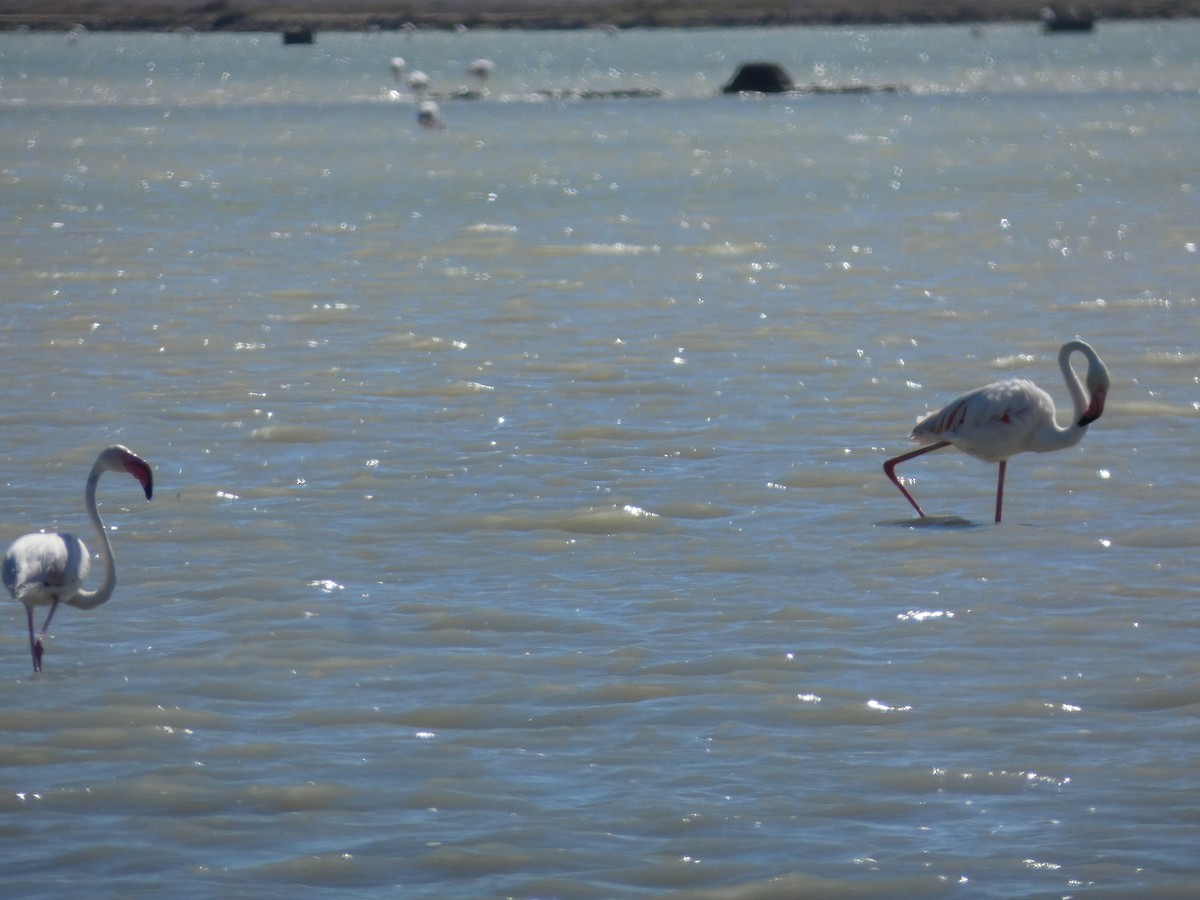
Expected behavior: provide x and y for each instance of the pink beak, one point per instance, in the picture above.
(1095, 407)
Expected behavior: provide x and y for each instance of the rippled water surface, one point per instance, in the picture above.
(519, 526)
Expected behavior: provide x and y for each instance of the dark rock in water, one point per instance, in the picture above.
(298, 36)
(1065, 20)
(770, 78)
(759, 78)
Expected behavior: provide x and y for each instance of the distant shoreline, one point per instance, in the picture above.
(364, 15)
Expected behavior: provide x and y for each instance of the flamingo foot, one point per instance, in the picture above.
(38, 650)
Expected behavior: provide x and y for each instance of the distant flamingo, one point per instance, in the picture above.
(1012, 416)
(481, 69)
(429, 115)
(397, 65)
(419, 82)
(48, 569)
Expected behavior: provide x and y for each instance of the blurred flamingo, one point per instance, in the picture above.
(419, 82)
(429, 115)
(481, 70)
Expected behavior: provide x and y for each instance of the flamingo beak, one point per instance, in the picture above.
(143, 473)
(1095, 407)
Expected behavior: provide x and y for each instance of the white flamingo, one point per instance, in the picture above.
(481, 69)
(419, 82)
(1012, 416)
(48, 569)
(429, 115)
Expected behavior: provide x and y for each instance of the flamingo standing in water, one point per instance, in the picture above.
(1011, 416)
(48, 569)
(419, 82)
(429, 115)
(481, 69)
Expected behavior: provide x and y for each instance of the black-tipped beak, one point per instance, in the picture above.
(1095, 408)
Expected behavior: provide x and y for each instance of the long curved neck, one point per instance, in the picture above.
(92, 599)
(1055, 436)
(1078, 398)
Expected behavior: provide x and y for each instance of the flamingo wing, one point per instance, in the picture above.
(992, 422)
(40, 569)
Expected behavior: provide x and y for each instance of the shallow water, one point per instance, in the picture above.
(519, 527)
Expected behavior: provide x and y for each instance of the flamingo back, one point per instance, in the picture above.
(992, 422)
(42, 568)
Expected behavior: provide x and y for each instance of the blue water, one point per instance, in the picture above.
(519, 526)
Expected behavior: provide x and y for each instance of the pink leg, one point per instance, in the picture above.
(36, 646)
(37, 660)
(1000, 489)
(889, 469)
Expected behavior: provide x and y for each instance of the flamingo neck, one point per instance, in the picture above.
(92, 599)
(1079, 399)
(1056, 437)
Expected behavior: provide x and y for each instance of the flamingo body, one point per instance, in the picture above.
(49, 569)
(44, 569)
(429, 115)
(995, 421)
(481, 69)
(1001, 419)
(418, 81)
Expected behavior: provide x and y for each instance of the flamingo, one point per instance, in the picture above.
(48, 569)
(481, 69)
(429, 115)
(419, 82)
(1012, 416)
(397, 65)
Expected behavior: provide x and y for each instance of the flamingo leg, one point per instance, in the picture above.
(1000, 488)
(37, 662)
(889, 469)
(37, 647)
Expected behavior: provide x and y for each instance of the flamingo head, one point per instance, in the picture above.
(138, 468)
(121, 459)
(1098, 390)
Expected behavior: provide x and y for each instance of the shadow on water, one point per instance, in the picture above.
(931, 522)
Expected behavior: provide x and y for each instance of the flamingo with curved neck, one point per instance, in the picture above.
(1012, 416)
(47, 569)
